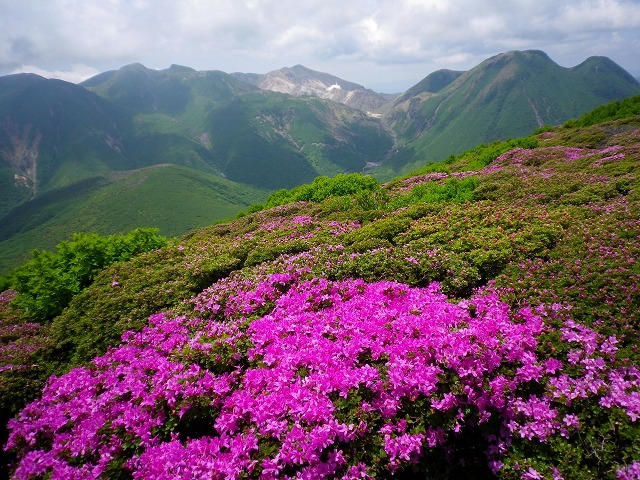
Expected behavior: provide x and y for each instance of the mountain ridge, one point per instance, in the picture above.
(300, 81)
(509, 93)
(54, 135)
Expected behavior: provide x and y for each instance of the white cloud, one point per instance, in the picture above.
(378, 40)
(76, 74)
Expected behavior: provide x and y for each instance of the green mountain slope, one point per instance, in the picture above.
(257, 137)
(314, 330)
(432, 83)
(505, 96)
(52, 134)
(172, 198)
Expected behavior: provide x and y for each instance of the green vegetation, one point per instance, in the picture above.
(171, 198)
(625, 108)
(547, 224)
(47, 283)
(321, 189)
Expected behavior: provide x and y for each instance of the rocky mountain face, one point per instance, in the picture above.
(302, 81)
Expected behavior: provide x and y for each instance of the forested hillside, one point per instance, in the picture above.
(478, 318)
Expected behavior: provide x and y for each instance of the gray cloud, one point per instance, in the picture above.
(386, 45)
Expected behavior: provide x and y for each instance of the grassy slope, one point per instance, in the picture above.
(172, 198)
(504, 97)
(548, 225)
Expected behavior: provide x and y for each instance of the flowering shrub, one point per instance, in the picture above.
(309, 341)
(19, 339)
(336, 379)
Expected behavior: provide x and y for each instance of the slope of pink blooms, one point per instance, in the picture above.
(293, 378)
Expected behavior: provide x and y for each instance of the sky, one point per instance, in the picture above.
(385, 45)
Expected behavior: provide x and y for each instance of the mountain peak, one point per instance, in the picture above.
(302, 81)
(134, 67)
(300, 68)
(180, 68)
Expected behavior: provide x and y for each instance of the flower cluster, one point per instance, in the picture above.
(333, 379)
(18, 340)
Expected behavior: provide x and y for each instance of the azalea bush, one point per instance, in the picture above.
(318, 379)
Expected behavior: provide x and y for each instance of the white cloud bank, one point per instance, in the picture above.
(382, 44)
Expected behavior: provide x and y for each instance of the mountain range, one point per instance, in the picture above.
(478, 319)
(178, 148)
(302, 81)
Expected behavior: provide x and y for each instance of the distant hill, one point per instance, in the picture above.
(172, 198)
(301, 81)
(505, 96)
(57, 138)
(432, 83)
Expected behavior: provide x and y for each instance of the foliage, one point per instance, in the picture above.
(482, 155)
(47, 283)
(311, 339)
(320, 189)
(611, 111)
(452, 190)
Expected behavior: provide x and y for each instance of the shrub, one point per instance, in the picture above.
(336, 380)
(47, 283)
(321, 189)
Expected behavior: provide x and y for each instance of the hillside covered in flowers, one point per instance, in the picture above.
(477, 319)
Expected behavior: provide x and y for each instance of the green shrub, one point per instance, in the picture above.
(611, 111)
(47, 283)
(453, 190)
(385, 229)
(321, 189)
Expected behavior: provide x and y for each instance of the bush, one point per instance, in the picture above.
(452, 190)
(321, 189)
(47, 283)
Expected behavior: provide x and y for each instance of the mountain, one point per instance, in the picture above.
(64, 146)
(503, 97)
(57, 138)
(432, 83)
(302, 81)
(52, 133)
(477, 319)
(263, 138)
